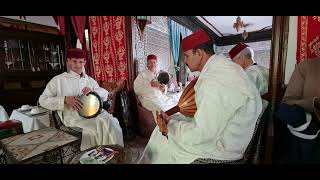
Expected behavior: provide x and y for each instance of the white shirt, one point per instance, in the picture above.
(101, 130)
(68, 84)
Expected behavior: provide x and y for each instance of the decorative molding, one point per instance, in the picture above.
(263, 35)
(193, 23)
(27, 26)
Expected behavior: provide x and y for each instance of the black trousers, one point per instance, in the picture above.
(291, 149)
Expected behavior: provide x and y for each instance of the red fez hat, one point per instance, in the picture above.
(75, 53)
(237, 49)
(195, 40)
(151, 56)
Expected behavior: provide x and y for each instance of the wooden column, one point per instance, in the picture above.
(130, 63)
(280, 31)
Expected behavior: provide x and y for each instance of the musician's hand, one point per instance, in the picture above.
(162, 87)
(86, 90)
(165, 117)
(73, 102)
(154, 83)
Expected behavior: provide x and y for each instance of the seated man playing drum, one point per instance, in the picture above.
(61, 94)
(150, 91)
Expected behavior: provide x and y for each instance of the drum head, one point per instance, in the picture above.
(163, 78)
(92, 105)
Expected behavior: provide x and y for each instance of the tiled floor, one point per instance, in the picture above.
(134, 148)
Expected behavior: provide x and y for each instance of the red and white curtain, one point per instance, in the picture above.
(308, 45)
(108, 47)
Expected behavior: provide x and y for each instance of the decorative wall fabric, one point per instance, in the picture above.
(61, 23)
(108, 47)
(175, 31)
(308, 45)
(79, 25)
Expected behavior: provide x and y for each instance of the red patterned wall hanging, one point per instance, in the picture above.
(308, 45)
(108, 47)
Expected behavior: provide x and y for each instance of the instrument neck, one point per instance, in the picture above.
(173, 110)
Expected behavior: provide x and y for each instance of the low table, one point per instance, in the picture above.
(32, 122)
(41, 146)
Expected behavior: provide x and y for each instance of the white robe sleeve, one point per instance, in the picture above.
(49, 99)
(142, 85)
(214, 111)
(103, 93)
(259, 78)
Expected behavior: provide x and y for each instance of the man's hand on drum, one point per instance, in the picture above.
(73, 102)
(86, 90)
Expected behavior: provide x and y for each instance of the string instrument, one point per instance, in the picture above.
(186, 106)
